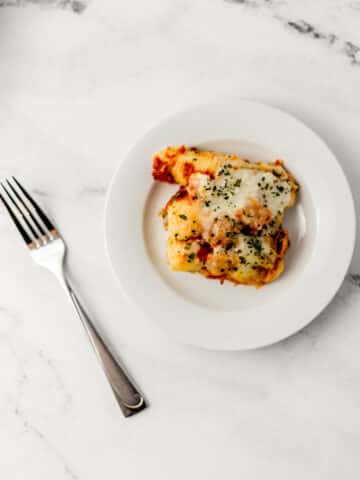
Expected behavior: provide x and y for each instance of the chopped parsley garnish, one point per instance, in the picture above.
(191, 257)
(255, 243)
(242, 260)
(246, 230)
(183, 217)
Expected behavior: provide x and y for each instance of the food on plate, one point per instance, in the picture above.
(225, 220)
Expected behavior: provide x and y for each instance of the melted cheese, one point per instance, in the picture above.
(255, 248)
(226, 220)
(234, 189)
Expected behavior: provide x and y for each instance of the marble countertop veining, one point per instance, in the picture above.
(80, 81)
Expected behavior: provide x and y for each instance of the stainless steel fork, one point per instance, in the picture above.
(48, 249)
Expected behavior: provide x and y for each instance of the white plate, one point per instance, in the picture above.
(199, 311)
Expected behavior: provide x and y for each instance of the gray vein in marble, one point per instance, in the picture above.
(307, 29)
(8, 321)
(76, 6)
(353, 52)
(20, 412)
(348, 48)
(39, 192)
(304, 28)
(24, 378)
(250, 3)
(354, 279)
(29, 427)
(93, 191)
(355, 5)
(58, 378)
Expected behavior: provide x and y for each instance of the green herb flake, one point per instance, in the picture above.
(183, 217)
(191, 257)
(255, 243)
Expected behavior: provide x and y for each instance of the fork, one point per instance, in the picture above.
(48, 249)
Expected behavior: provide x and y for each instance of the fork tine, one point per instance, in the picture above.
(38, 210)
(38, 226)
(18, 225)
(31, 228)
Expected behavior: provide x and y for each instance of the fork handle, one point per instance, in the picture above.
(126, 394)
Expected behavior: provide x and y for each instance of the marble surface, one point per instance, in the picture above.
(80, 81)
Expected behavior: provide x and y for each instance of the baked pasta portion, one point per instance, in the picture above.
(225, 220)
